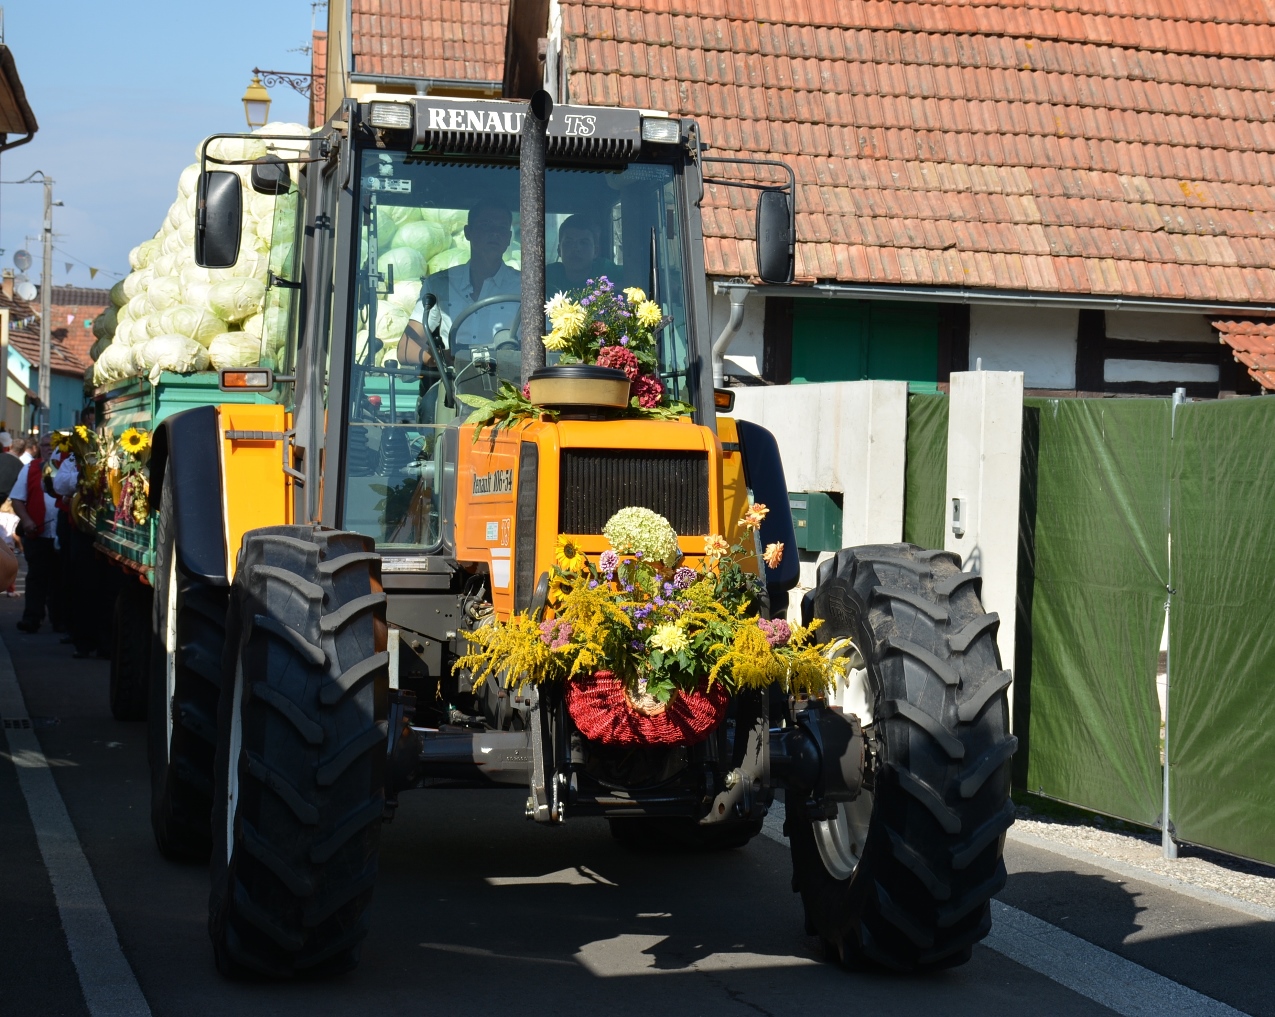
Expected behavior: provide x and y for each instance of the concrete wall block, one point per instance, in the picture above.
(848, 437)
(984, 464)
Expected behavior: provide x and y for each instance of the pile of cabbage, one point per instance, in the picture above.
(169, 314)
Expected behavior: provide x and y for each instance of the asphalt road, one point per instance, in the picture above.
(477, 910)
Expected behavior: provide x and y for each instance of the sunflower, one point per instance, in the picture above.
(568, 555)
(60, 441)
(135, 442)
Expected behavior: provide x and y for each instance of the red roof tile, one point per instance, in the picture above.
(1113, 146)
(458, 40)
(1253, 344)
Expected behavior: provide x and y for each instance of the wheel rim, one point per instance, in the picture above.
(235, 744)
(841, 840)
(170, 653)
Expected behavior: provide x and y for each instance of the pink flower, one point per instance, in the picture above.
(526, 391)
(619, 358)
(777, 632)
(648, 391)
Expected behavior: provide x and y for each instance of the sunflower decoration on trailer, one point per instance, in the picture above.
(127, 459)
(648, 645)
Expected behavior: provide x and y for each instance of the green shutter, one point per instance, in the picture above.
(852, 340)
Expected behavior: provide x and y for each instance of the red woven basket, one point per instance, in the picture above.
(603, 713)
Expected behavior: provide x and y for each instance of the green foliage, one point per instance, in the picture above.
(508, 408)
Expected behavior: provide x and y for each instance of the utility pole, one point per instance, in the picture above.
(46, 308)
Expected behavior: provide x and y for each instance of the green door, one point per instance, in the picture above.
(852, 340)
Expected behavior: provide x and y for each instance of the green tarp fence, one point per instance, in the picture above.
(1104, 483)
(925, 473)
(1222, 635)
(1092, 580)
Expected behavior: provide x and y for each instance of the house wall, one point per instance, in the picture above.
(66, 399)
(744, 355)
(1038, 341)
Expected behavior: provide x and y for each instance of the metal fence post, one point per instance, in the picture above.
(1168, 846)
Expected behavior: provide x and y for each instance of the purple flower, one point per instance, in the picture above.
(636, 644)
(608, 561)
(668, 589)
(684, 578)
(657, 601)
(586, 301)
(593, 584)
(624, 340)
(777, 632)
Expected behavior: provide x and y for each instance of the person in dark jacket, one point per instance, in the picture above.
(10, 463)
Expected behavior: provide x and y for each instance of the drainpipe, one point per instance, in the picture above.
(737, 295)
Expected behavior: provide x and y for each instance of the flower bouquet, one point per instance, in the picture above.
(598, 326)
(650, 649)
(113, 472)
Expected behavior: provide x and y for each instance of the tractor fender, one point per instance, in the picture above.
(764, 473)
(186, 445)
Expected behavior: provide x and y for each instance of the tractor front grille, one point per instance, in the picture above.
(595, 484)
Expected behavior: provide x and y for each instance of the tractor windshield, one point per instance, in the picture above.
(438, 306)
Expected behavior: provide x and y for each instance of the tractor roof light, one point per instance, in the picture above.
(392, 115)
(661, 130)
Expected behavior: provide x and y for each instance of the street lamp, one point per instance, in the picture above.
(256, 104)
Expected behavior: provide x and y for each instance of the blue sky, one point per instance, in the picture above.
(123, 92)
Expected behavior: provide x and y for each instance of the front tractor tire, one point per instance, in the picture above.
(902, 876)
(300, 771)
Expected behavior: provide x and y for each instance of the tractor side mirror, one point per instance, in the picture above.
(219, 219)
(774, 236)
(270, 175)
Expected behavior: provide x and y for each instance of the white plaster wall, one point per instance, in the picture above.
(744, 354)
(1155, 327)
(1038, 341)
(984, 462)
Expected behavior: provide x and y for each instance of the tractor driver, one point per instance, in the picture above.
(489, 230)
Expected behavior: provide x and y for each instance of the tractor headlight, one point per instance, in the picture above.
(661, 130)
(394, 115)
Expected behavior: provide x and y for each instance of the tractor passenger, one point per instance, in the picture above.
(578, 260)
(489, 230)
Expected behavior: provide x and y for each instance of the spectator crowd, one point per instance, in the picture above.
(62, 584)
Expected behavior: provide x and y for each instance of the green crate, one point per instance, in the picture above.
(816, 519)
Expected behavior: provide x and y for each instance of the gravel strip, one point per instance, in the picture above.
(1239, 878)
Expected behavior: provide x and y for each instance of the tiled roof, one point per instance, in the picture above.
(1254, 346)
(461, 40)
(27, 339)
(1122, 147)
(72, 307)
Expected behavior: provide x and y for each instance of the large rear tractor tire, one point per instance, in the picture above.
(188, 632)
(301, 755)
(130, 652)
(902, 876)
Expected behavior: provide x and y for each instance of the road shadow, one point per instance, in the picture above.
(1218, 952)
